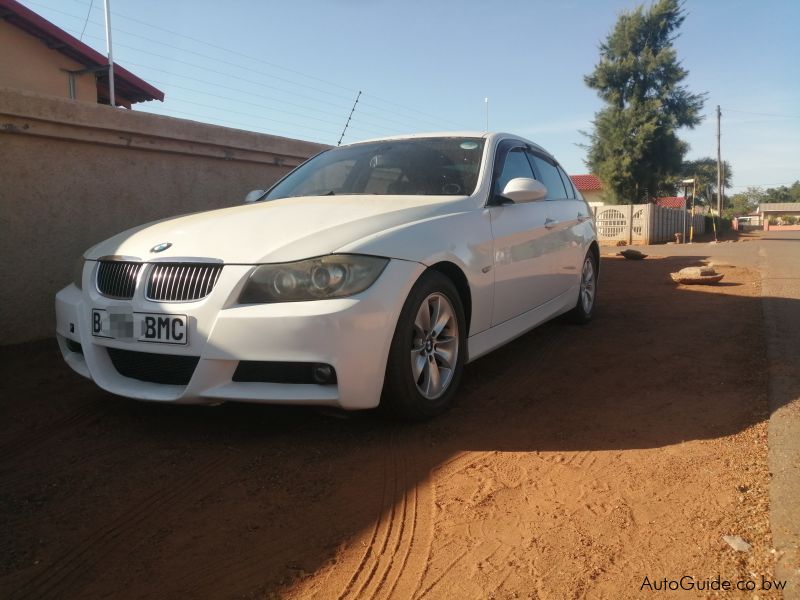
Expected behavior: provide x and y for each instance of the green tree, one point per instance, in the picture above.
(745, 202)
(634, 148)
(705, 170)
(783, 193)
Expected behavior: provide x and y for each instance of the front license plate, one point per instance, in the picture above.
(141, 327)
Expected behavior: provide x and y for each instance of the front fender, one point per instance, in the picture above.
(464, 239)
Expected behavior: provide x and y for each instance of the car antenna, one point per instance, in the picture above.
(352, 110)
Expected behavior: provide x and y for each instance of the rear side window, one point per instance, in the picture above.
(567, 183)
(548, 175)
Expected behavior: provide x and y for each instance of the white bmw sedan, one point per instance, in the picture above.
(369, 275)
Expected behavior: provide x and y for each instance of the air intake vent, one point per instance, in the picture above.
(167, 369)
(181, 282)
(117, 279)
(284, 372)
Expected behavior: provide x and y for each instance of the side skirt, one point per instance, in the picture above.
(502, 333)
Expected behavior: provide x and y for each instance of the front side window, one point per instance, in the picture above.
(515, 165)
(549, 177)
(424, 166)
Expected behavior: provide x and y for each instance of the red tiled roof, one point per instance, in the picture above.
(128, 87)
(587, 183)
(670, 201)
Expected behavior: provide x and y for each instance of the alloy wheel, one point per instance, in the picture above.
(434, 346)
(587, 285)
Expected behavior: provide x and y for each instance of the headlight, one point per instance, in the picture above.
(334, 276)
(77, 273)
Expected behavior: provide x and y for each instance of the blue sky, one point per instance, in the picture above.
(294, 68)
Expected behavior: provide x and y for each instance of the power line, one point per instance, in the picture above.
(413, 110)
(163, 111)
(233, 89)
(762, 184)
(274, 65)
(760, 114)
(246, 69)
(258, 84)
(252, 84)
(259, 105)
(231, 76)
(260, 117)
(362, 114)
(237, 90)
(86, 22)
(199, 54)
(230, 64)
(217, 47)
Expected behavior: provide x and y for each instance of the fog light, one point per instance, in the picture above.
(322, 373)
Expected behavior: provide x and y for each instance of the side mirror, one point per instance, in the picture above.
(254, 196)
(524, 189)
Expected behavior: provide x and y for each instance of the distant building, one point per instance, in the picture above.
(590, 187)
(37, 56)
(780, 211)
(670, 201)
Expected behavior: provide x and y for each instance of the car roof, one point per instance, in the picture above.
(432, 134)
(489, 135)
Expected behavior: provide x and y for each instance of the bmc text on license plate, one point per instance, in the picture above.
(142, 327)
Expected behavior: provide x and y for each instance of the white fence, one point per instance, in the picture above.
(644, 223)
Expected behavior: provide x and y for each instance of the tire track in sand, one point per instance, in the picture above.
(395, 561)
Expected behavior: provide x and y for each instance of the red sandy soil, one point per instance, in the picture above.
(577, 462)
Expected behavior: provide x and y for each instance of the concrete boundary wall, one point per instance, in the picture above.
(644, 223)
(74, 173)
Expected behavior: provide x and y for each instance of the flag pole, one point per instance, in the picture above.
(111, 98)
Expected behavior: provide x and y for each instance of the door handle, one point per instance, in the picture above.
(550, 223)
(582, 217)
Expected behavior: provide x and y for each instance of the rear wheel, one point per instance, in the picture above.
(428, 350)
(584, 309)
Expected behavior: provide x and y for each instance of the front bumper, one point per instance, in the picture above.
(351, 334)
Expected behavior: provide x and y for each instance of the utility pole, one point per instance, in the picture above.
(107, 4)
(719, 166)
(486, 102)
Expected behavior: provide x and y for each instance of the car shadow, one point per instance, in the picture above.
(135, 499)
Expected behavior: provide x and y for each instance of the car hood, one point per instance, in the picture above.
(278, 230)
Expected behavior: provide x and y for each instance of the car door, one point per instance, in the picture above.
(578, 211)
(563, 215)
(522, 262)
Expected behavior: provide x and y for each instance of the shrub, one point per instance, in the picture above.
(723, 224)
(789, 220)
(773, 220)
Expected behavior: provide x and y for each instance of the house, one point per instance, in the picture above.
(590, 187)
(37, 56)
(780, 214)
(670, 201)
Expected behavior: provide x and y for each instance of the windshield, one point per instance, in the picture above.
(424, 166)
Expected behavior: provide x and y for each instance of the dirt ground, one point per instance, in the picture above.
(578, 462)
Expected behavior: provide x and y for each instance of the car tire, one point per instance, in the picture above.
(426, 358)
(587, 295)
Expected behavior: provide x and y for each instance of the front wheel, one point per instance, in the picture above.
(584, 309)
(428, 350)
